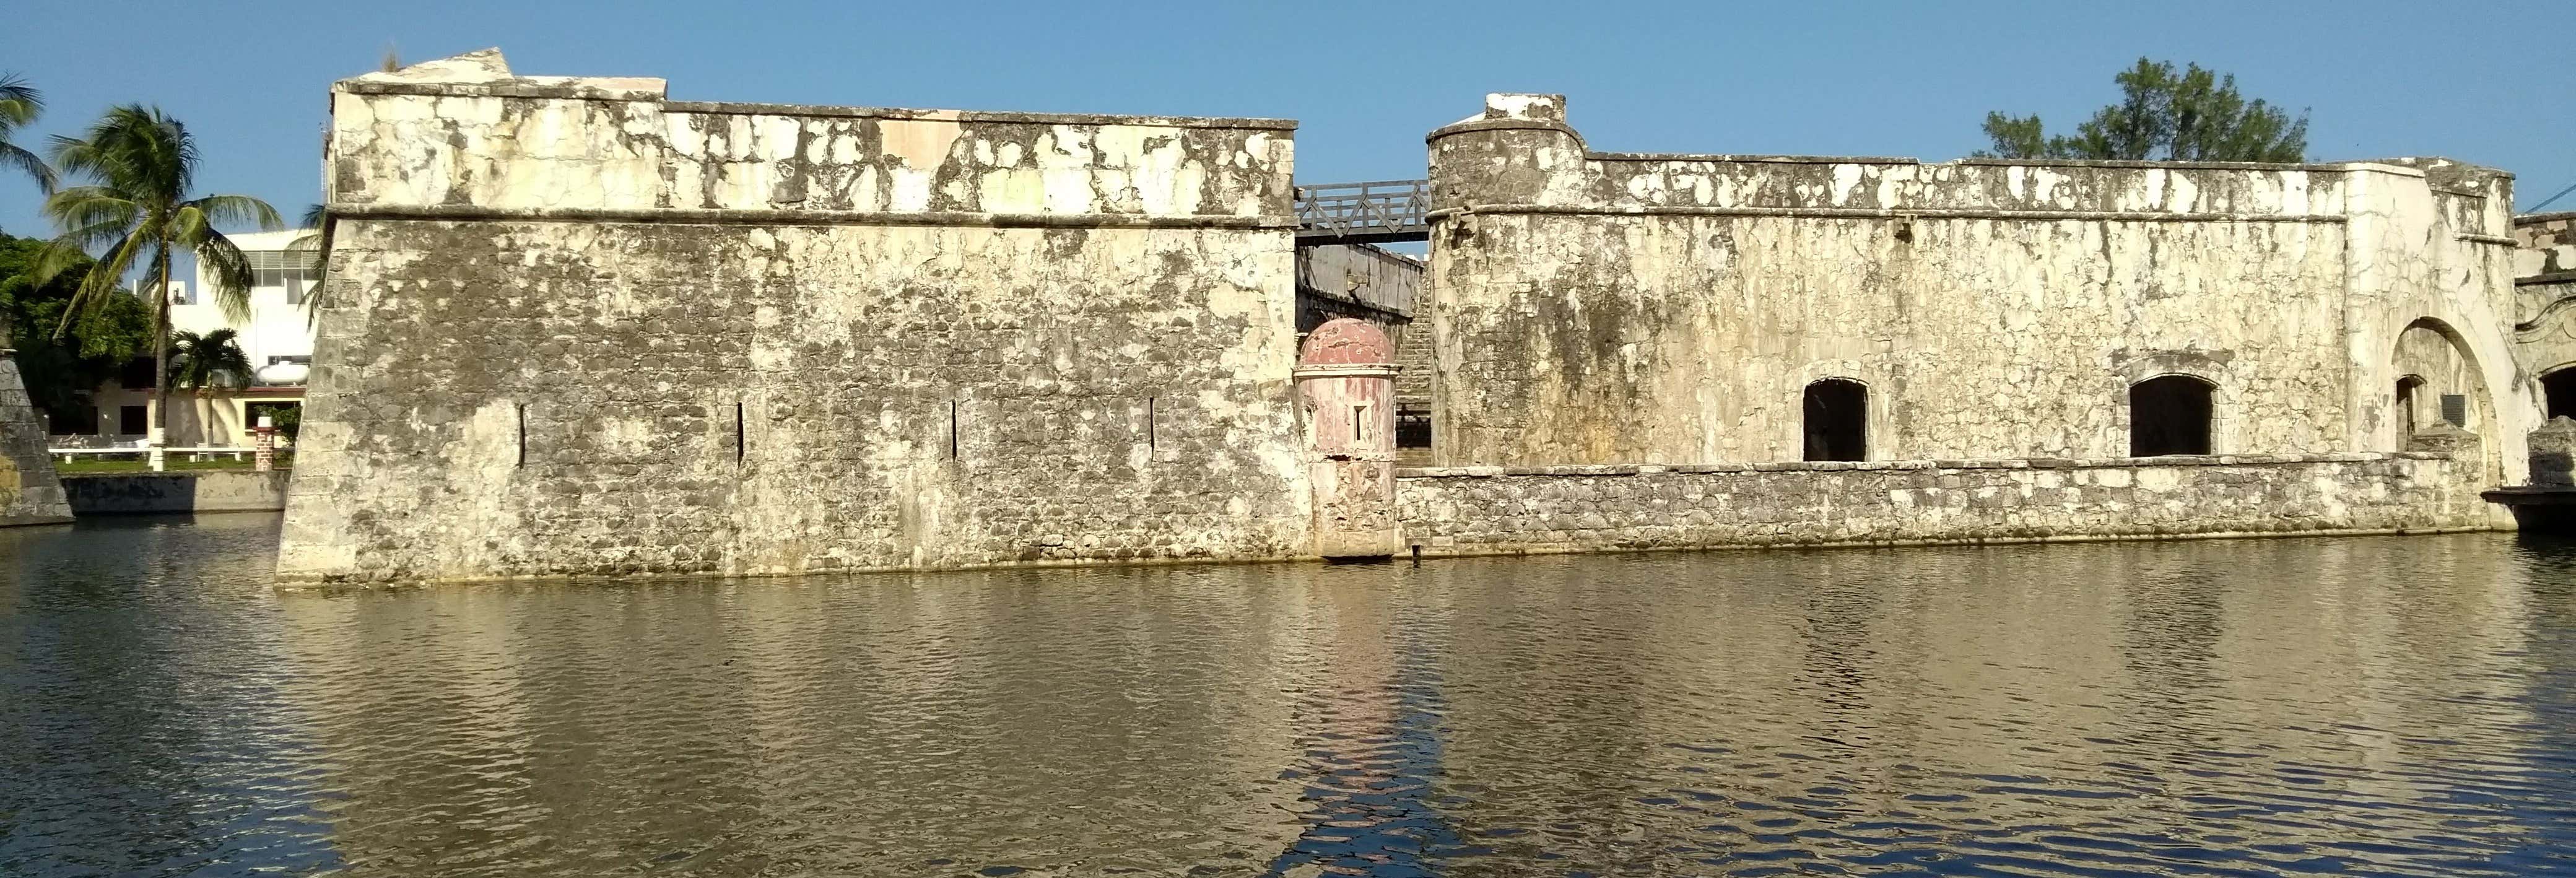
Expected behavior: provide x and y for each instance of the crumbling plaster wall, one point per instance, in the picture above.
(574, 328)
(1651, 308)
(2545, 291)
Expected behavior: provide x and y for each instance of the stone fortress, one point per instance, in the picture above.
(577, 328)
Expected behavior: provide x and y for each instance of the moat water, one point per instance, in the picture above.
(2366, 706)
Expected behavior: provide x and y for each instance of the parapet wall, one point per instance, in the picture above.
(576, 328)
(463, 137)
(1511, 510)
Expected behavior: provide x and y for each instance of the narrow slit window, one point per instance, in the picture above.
(952, 429)
(522, 439)
(1359, 423)
(737, 432)
(1149, 423)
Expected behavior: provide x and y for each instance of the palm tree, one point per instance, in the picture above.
(143, 166)
(19, 105)
(214, 359)
(315, 240)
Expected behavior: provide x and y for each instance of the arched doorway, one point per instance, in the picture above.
(2169, 414)
(1837, 420)
(2447, 387)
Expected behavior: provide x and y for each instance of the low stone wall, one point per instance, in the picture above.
(1511, 510)
(143, 493)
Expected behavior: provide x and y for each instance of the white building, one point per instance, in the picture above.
(277, 338)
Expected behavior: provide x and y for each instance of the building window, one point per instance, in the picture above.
(293, 271)
(2169, 414)
(132, 420)
(1837, 420)
(2560, 388)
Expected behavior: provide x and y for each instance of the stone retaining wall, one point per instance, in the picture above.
(1511, 510)
(149, 493)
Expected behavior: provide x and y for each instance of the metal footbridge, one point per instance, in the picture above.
(1363, 213)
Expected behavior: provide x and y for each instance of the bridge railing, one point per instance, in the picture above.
(1364, 213)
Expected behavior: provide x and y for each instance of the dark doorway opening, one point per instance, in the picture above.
(1837, 422)
(132, 420)
(2169, 415)
(2408, 388)
(2560, 388)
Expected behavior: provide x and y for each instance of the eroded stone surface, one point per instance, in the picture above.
(30, 492)
(574, 330)
(1491, 510)
(1614, 307)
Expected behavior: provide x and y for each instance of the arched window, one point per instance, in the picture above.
(2408, 390)
(2560, 387)
(1837, 420)
(2169, 414)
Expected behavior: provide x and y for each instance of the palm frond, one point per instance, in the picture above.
(95, 286)
(210, 360)
(238, 209)
(20, 104)
(15, 156)
(15, 90)
(226, 270)
(86, 206)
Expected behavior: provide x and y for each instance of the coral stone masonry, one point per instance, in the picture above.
(30, 492)
(575, 327)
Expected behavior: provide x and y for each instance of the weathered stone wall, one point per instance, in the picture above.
(1506, 510)
(575, 328)
(29, 491)
(1651, 308)
(2545, 291)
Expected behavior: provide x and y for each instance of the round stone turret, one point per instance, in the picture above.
(1346, 377)
(1519, 151)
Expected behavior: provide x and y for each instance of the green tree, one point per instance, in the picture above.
(141, 209)
(60, 372)
(20, 104)
(215, 359)
(287, 417)
(2196, 115)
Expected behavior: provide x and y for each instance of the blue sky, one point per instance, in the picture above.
(1367, 80)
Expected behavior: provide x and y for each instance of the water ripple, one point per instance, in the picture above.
(2377, 706)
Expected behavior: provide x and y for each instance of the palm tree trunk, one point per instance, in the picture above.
(161, 354)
